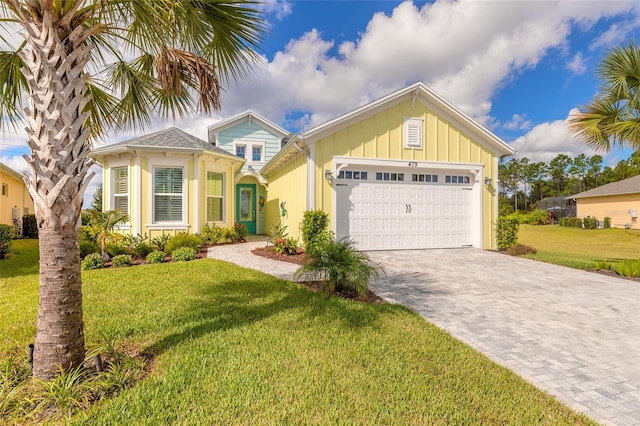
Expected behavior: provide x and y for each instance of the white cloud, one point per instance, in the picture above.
(279, 8)
(577, 65)
(545, 141)
(617, 33)
(517, 122)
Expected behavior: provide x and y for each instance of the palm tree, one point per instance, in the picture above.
(87, 67)
(103, 224)
(613, 115)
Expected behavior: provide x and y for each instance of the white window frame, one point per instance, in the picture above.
(223, 196)
(248, 150)
(168, 163)
(411, 126)
(114, 195)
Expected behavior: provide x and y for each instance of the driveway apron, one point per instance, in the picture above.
(574, 334)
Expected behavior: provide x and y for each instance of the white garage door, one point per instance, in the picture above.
(393, 209)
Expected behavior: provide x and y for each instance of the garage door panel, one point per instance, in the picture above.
(400, 215)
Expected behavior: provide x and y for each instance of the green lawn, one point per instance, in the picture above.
(580, 248)
(234, 346)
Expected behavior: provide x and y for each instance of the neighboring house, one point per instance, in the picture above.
(15, 200)
(409, 170)
(257, 140)
(169, 181)
(406, 171)
(618, 200)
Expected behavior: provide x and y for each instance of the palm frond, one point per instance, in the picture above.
(13, 85)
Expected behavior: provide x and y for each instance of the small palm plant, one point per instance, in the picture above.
(103, 224)
(340, 266)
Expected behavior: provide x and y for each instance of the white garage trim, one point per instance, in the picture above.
(472, 182)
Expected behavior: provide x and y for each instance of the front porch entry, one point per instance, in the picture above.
(246, 206)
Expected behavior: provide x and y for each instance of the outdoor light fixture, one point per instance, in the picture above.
(328, 175)
(487, 181)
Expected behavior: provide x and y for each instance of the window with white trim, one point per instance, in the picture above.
(413, 133)
(168, 193)
(252, 151)
(215, 196)
(121, 189)
(240, 150)
(256, 153)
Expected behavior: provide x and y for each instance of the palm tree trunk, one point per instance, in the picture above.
(58, 139)
(60, 336)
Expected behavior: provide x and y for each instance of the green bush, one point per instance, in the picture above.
(323, 238)
(184, 254)
(340, 266)
(507, 232)
(518, 216)
(602, 265)
(627, 268)
(241, 231)
(590, 222)
(114, 249)
(88, 247)
(607, 222)
(136, 245)
(230, 234)
(121, 261)
(6, 238)
(183, 240)
(211, 234)
(537, 217)
(277, 231)
(160, 242)
(29, 226)
(93, 261)
(313, 222)
(571, 222)
(287, 246)
(156, 257)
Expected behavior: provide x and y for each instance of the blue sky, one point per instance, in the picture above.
(517, 67)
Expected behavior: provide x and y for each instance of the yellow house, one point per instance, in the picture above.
(15, 200)
(618, 200)
(168, 181)
(406, 171)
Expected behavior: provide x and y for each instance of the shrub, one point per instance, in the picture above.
(6, 238)
(230, 234)
(520, 250)
(183, 240)
(211, 234)
(116, 249)
(287, 246)
(518, 216)
(627, 268)
(277, 231)
(121, 261)
(607, 222)
(340, 267)
(323, 238)
(590, 222)
(93, 261)
(537, 217)
(136, 245)
(507, 232)
(184, 254)
(88, 247)
(160, 242)
(313, 222)
(571, 222)
(156, 256)
(241, 231)
(29, 226)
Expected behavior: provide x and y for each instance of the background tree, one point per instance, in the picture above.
(78, 85)
(96, 202)
(613, 115)
(557, 171)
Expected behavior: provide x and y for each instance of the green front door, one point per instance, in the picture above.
(246, 206)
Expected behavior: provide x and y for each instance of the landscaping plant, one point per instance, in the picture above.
(6, 237)
(93, 261)
(121, 261)
(210, 234)
(313, 222)
(183, 239)
(241, 231)
(160, 242)
(506, 232)
(156, 256)
(184, 254)
(340, 266)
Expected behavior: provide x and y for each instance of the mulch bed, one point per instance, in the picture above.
(316, 286)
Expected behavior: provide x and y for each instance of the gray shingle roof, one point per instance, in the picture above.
(171, 138)
(626, 186)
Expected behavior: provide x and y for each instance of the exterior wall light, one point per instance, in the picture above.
(328, 175)
(487, 181)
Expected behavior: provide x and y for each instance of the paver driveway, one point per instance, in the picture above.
(572, 333)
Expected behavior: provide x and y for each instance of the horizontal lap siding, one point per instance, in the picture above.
(615, 206)
(380, 136)
(249, 133)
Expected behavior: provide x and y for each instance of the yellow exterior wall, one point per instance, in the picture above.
(614, 206)
(210, 164)
(289, 185)
(17, 195)
(380, 136)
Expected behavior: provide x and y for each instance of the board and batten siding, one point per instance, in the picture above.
(249, 132)
(380, 136)
(288, 184)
